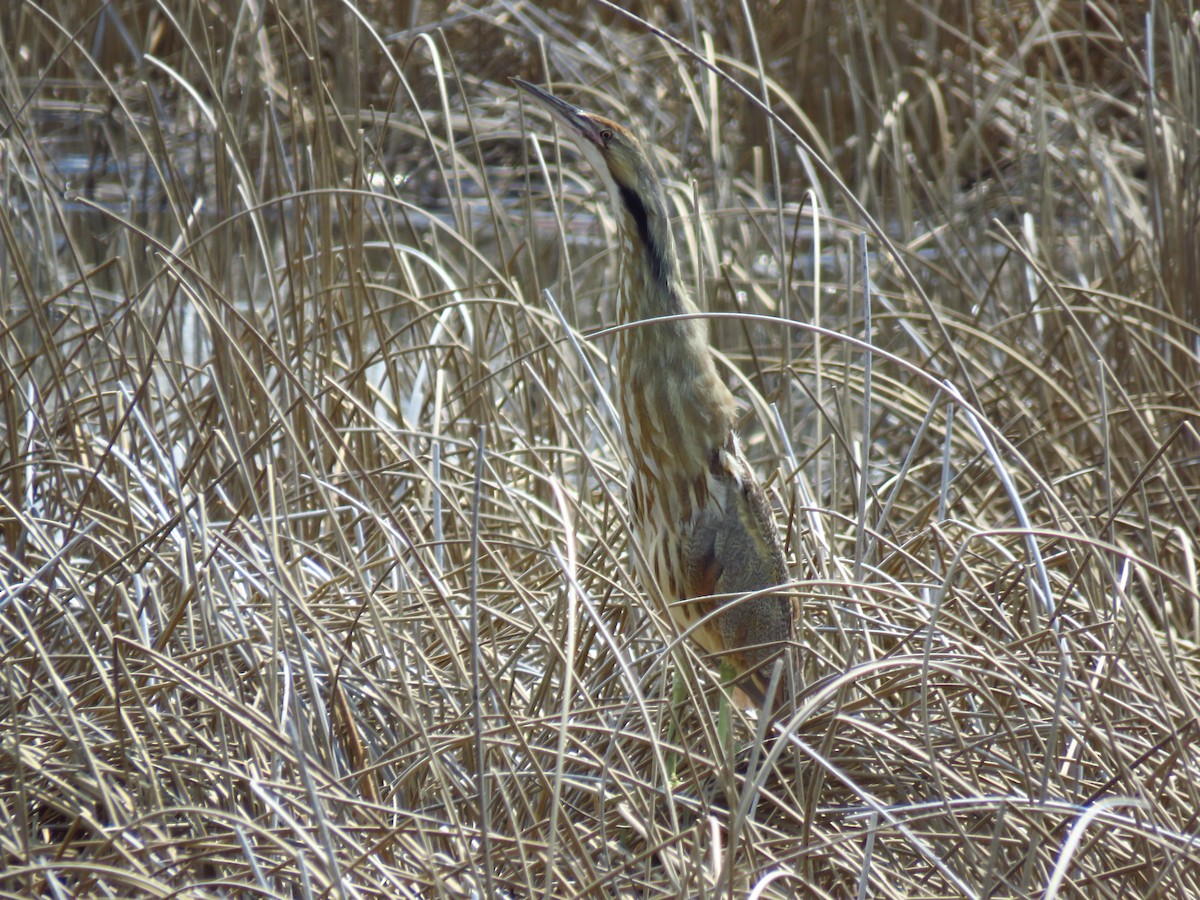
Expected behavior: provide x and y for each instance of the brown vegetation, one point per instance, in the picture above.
(314, 565)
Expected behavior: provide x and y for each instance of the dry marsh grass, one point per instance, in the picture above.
(315, 574)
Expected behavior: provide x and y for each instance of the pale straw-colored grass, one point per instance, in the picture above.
(315, 572)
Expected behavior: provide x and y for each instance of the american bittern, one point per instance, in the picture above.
(699, 514)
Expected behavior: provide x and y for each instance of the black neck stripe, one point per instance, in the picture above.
(641, 219)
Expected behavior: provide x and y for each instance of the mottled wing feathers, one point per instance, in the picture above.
(702, 565)
(732, 547)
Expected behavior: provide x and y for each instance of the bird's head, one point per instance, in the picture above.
(637, 195)
(614, 152)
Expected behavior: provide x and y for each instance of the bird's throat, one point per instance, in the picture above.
(654, 242)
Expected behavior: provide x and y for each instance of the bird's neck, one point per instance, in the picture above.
(669, 386)
(648, 259)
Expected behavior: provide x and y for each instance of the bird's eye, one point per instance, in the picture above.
(606, 135)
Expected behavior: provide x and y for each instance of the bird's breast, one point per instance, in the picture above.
(676, 409)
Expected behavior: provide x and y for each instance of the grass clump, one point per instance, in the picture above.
(315, 574)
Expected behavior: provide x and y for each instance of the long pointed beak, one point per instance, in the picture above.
(571, 117)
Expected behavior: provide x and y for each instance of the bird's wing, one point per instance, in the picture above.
(733, 544)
